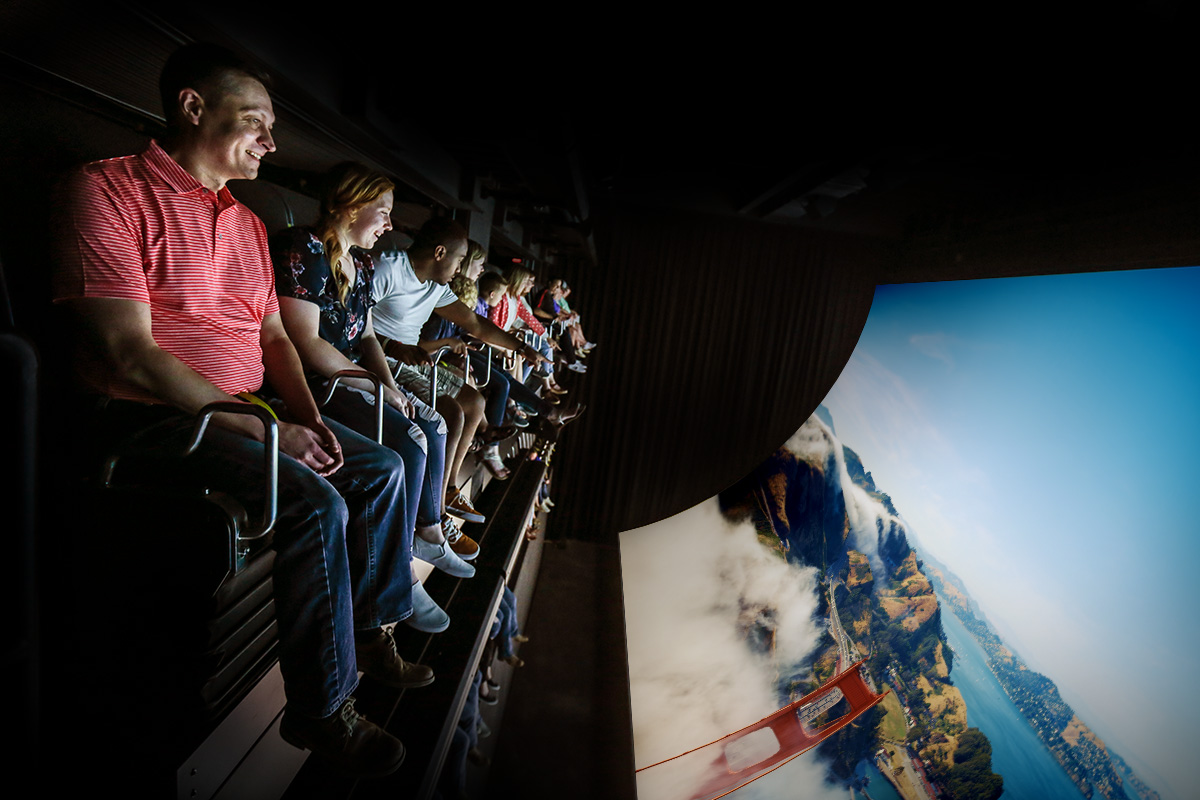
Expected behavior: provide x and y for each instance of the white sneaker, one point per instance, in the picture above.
(427, 615)
(442, 557)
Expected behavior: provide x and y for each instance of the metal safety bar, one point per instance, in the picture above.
(270, 456)
(433, 374)
(487, 377)
(378, 384)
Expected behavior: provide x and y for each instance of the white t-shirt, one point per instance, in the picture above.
(403, 303)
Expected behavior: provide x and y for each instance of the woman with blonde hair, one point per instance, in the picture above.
(323, 277)
(513, 311)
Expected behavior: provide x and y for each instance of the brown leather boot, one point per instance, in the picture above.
(346, 740)
(377, 658)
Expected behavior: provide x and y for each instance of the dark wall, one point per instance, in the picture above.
(718, 337)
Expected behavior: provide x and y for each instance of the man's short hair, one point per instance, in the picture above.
(204, 67)
(437, 231)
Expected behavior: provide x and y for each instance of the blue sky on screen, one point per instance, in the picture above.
(1040, 435)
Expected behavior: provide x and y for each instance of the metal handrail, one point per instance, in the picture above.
(433, 374)
(200, 427)
(488, 375)
(375, 381)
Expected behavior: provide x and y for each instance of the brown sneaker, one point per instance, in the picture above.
(464, 546)
(461, 507)
(344, 739)
(377, 658)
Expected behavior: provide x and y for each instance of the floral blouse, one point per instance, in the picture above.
(302, 271)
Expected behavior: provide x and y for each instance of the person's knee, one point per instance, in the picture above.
(378, 464)
(304, 496)
(471, 402)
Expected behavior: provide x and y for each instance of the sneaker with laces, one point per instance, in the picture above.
(466, 547)
(461, 507)
(378, 659)
(346, 740)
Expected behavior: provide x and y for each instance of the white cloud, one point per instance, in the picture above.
(934, 345)
(689, 581)
(871, 405)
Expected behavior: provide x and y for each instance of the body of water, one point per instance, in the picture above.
(1030, 772)
(879, 788)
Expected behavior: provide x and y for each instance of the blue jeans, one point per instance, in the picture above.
(340, 564)
(528, 372)
(466, 736)
(505, 624)
(519, 392)
(421, 443)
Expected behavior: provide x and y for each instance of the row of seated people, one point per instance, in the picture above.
(511, 391)
(183, 301)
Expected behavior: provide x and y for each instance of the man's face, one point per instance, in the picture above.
(234, 128)
(447, 263)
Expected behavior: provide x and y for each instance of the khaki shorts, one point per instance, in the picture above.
(450, 380)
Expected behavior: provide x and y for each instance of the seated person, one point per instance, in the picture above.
(574, 323)
(549, 311)
(493, 289)
(409, 285)
(514, 313)
(323, 277)
(462, 406)
(439, 332)
(169, 279)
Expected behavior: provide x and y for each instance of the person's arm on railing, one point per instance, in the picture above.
(120, 330)
(487, 331)
(302, 320)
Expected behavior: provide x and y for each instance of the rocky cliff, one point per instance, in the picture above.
(816, 499)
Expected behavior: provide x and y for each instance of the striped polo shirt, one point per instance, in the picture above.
(142, 228)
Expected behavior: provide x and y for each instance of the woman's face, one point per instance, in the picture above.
(373, 220)
(475, 268)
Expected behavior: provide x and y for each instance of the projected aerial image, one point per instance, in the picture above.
(968, 574)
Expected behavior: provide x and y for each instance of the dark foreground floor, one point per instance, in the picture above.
(566, 719)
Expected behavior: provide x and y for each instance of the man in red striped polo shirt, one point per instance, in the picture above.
(172, 282)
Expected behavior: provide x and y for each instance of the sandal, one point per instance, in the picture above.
(492, 461)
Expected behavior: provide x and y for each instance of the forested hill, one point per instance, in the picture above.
(815, 498)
